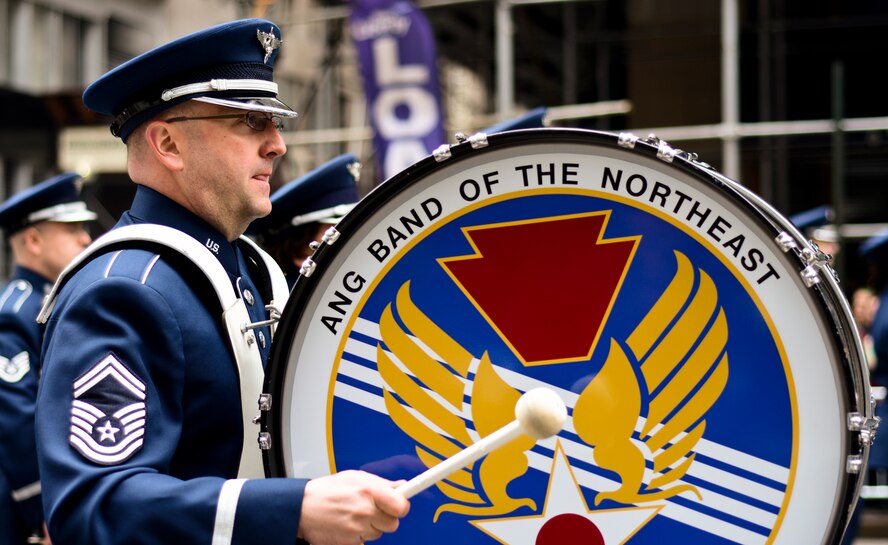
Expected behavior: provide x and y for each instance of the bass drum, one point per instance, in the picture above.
(714, 379)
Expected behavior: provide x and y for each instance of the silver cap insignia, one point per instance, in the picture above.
(269, 42)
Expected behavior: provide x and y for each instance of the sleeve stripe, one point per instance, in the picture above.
(223, 529)
(111, 263)
(148, 269)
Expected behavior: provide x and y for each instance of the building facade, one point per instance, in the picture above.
(776, 94)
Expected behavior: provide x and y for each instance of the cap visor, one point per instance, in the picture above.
(256, 104)
(328, 215)
(71, 217)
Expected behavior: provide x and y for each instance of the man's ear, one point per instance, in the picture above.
(31, 239)
(164, 141)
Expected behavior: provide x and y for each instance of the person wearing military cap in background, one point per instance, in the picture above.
(533, 119)
(816, 224)
(875, 251)
(303, 210)
(154, 339)
(44, 226)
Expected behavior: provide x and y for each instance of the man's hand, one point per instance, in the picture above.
(349, 508)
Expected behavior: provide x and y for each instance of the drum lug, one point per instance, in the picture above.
(442, 153)
(810, 275)
(264, 440)
(866, 426)
(785, 241)
(854, 464)
(665, 152)
(627, 140)
(817, 261)
(264, 402)
(308, 267)
(478, 140)
(331, 235)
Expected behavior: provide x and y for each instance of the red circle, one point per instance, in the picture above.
(569, 529)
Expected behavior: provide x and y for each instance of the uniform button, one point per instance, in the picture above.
(248, 297)
(262, 339)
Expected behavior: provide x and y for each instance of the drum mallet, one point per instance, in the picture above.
(539, 413)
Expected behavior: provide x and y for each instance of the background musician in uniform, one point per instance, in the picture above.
(303, 210)
(44, 226)
(140, 423)
(875, 251)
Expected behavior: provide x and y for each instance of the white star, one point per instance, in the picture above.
(564, 500)
(108, 432)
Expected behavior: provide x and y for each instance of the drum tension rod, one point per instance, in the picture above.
(866, 426)
(264, 403)
(477, 140)
(665, 152)
(264, 437)
(275, 317)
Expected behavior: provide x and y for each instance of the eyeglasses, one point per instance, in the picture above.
(258, 121)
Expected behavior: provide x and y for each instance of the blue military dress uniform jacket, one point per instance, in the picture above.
(20, 300)
(139, 420)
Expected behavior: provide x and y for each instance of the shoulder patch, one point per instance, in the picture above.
(108, 413)
(16, 293)
(14, 368)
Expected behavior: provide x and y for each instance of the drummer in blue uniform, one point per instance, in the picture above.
(303, 210)
(44, 226)
(144, 433)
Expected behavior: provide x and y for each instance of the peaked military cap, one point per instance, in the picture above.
(229, 64)
(56, 199)
(813, 218)
(324, 195)
(816, 223)
(875, 248)
(534, 119)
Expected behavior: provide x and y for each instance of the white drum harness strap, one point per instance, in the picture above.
(235, 318)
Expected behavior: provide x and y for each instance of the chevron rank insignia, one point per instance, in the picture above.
(13, 369)
(108, 413)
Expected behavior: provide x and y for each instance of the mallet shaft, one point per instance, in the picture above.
(461, 459)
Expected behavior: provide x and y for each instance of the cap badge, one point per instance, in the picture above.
(269, 42)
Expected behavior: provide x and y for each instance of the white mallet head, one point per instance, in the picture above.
(540, 412)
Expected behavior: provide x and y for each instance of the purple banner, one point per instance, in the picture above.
(398, 60)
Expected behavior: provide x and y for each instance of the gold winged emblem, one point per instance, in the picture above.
(431, 407)
(680, 346)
